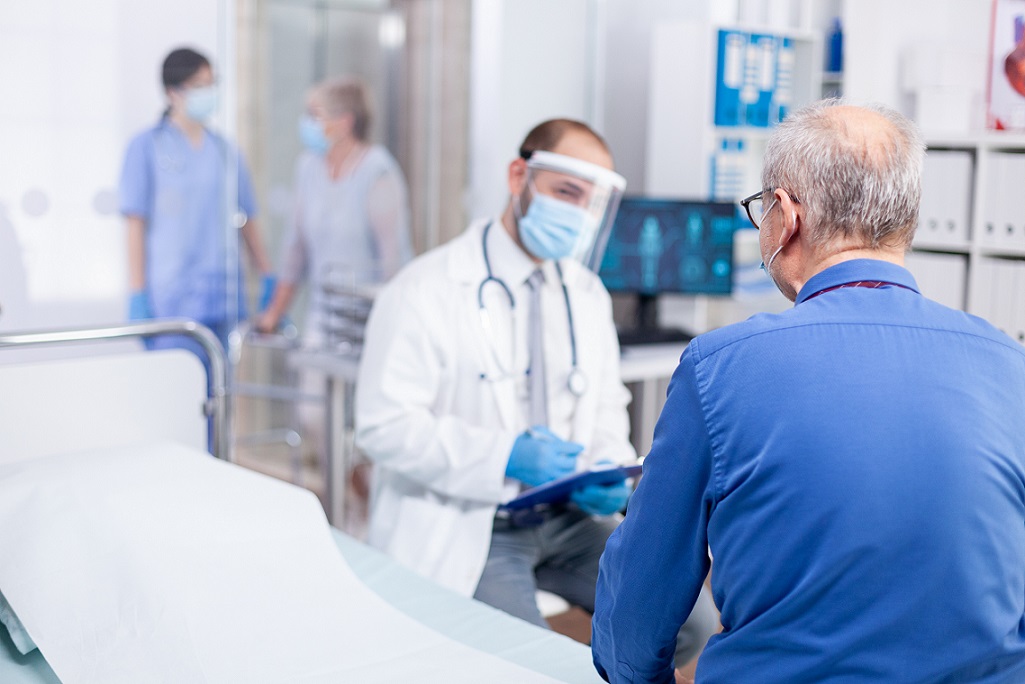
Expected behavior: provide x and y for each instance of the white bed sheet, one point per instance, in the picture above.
(465, 620)
(159, 563)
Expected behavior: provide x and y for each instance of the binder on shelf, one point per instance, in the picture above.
(1017, 322)
(730, 77)
(992, 208)
(783, 95)
(957, 201)
(981, 294)
(940, 277)
(1005, 295)
(1012, 209)
(760, 79)
(1014, 299)
(932, 190)
(1003, 212)
(729, 164)
(945, 211)
(754, 78)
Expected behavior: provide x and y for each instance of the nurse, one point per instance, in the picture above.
(172, 194)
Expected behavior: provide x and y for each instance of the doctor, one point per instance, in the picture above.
(490, 365)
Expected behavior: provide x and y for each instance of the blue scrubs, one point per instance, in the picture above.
(179, 191)
(856, 465)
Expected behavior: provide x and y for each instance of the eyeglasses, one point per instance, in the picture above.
(756, 207)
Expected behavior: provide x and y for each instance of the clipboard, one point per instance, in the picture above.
(558, 491)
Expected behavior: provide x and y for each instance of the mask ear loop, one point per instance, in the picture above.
(793, 221)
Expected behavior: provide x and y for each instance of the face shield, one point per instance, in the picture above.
(572, 204)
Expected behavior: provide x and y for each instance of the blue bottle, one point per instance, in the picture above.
(834, 54)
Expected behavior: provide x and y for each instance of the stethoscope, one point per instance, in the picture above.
(577, 381)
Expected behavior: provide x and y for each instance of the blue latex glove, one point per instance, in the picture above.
(267, 285)
(138, 306)
(540, 456)
(602, 499)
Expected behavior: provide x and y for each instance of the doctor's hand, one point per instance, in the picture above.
(602, 499)
(539, 456)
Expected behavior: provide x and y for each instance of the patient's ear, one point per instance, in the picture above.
(791, 217)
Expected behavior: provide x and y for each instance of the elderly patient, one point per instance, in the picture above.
(855, 465)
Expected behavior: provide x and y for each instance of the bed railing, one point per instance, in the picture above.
(216, 406)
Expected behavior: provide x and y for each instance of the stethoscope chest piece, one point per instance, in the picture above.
(577, 382)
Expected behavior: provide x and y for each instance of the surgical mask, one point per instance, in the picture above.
(551, 228)
(311, 133)
(201, 103)
(766, 266)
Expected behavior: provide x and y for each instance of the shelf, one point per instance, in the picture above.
(996, 251)
(989, 140)
(767, 29)
(949, 248)
(753, 133)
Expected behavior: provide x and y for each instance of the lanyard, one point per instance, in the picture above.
(873, 284)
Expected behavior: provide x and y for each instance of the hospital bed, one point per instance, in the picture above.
(104, 402)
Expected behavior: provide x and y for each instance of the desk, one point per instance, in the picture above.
(646, 365)
(339, 373)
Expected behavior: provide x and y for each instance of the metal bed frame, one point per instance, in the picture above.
(216, 406)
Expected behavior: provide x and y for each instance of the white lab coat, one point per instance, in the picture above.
(438, 434)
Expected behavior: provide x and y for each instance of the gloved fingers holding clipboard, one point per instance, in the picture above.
(602, 499)
(600, 491)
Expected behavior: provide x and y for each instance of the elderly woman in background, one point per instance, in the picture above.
(351, 218)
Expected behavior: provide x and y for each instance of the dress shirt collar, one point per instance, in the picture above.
(854, 270)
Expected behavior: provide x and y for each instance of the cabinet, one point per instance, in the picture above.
(969, 251)
(703, 74)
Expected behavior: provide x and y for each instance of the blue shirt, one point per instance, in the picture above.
(856, 467)
(179, 190)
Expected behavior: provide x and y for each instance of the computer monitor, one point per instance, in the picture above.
(659, 246)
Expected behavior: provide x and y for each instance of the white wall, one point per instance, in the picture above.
(79, 79)
(879, 34)
(531, 60)
(627, 69)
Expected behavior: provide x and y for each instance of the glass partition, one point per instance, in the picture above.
(84, 86)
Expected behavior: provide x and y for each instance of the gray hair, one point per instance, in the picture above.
(855, 189)
(346, 95)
